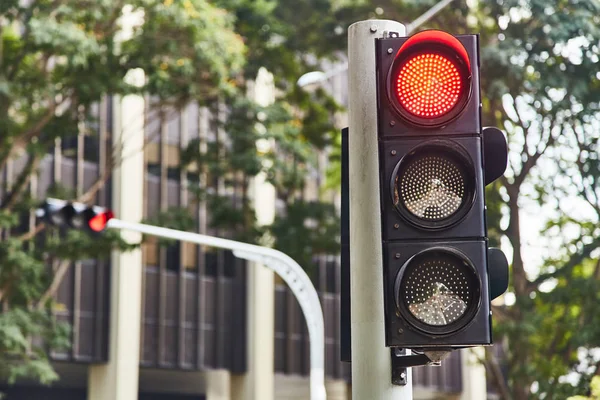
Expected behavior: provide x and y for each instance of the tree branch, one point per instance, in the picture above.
(62, 269)
(492, 365)
(573, 261)
(24, 177)
(502, 313)
(25, 138)
(532, 159)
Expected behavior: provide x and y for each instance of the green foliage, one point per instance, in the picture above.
(306, 230)
(194, 52)
(594, 391)
(540, 84)
(17, 327)
(57, 59)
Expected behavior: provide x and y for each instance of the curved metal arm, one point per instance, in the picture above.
(289, 270)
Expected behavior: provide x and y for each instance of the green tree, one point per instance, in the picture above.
(297, 126)
(57, 59)
(540, 85)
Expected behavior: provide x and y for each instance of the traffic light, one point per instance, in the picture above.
(435, 160)
(92, 219)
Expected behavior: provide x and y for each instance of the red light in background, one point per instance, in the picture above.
(98, 222)
(428, 85)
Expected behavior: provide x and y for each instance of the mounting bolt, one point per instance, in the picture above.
(403, 375)
(390, 50)
(392, 123)
(397, 315)
(393, 152)
(396, 226)
(400, 331)
(373, 28)
(397, 255)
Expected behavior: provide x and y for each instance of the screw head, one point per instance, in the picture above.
(392, 123)
(403, 375)
(373, 28)
(396, 226)
(397, 255)
(390, 50)
(393, 152)
(400, 331)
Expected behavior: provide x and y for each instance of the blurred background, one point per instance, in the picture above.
(223, 117)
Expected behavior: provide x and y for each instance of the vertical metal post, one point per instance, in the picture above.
(371, 361)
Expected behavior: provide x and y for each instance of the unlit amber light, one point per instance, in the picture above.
(428, 85)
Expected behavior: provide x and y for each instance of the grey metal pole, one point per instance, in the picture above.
(371, 360)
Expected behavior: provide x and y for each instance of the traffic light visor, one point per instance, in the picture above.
(438, 290)
(430, 81)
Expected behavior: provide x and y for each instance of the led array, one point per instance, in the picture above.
(428, 85)
(432, 187)
(437, 291)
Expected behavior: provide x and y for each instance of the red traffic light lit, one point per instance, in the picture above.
(98, 222)
(430, 80)
(428, 85)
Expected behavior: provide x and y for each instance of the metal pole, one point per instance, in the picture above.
(427, 15)
(289, 270)
(371, 360)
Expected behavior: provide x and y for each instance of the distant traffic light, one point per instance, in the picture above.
(435, 160)
(75, 215)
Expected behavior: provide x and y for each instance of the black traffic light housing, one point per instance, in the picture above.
(392, 121)
(61, 213)
(435, 160)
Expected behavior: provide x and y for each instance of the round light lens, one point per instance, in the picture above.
(433, 186)
(429, 85)
(438, 289)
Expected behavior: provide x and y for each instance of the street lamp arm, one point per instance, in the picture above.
(426, 16)
(282, 264)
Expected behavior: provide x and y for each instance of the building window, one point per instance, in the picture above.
(174, 256)
(211, 261)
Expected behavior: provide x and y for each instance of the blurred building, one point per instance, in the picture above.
(186, 322)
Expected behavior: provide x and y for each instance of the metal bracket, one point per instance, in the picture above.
(390, 35)
(401, 361)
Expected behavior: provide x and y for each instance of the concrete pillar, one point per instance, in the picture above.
(473, 374)
(218, 384)
(296, 387)
(118, 379)
(337, 389)
(258, 382)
